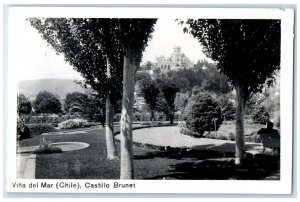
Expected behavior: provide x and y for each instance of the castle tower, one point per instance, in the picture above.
(176, 57)
(177, 50)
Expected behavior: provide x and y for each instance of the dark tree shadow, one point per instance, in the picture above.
(198, 152)
(253, 168)
(184, 153)
(213, 162)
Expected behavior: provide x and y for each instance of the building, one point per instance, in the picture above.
(177, 60)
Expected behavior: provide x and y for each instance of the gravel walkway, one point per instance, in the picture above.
(170, 136)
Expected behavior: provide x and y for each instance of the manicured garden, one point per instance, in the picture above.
(150, 162)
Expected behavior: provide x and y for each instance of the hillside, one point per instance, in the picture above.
(59, 87)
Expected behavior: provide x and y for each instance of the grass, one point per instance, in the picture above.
(149, 163)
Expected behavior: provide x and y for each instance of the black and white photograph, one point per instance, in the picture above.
(103, 101)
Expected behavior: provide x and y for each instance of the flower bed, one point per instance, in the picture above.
(75, 123)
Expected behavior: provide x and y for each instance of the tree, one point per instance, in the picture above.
(156, 71)
(169, 86)
(94, 45)
(24, 105)
(46, 102)
(246, 51)
(202, 114)
(134, 35)
(181, 101)
(265, 106)
(216, 81)
(148, 65)
(260, 115)
(75, 101)
(95, 108)
(149, 90)
(271, 100)
(225, 101)
(89, 105)
(90, 46)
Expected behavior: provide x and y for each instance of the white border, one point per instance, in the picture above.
(177, 186)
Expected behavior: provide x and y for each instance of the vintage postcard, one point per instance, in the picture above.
(149, 100)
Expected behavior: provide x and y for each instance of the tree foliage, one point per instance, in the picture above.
(202, 114)
(92, 46)
(24, 105)
(260, 115)
(89, 45)
(226, 103)
(134, 36)
(75, 101)
(46, 102)
(147, 66)
(149, 90)
(169, 87)
(246, 51)
(181, 100)
(95, 108)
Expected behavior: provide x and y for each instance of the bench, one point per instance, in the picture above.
(270, 141)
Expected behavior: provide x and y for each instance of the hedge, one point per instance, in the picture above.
(48, 119)
(39, 128)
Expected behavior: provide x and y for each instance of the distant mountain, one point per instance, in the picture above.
(58, 87)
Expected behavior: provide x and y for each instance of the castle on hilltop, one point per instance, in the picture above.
(177, 60)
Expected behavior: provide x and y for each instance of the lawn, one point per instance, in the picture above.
(149, 163)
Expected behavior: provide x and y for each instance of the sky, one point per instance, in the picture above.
(32, 58)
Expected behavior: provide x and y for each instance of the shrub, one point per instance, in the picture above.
(42, 119)
(260, 115)
(46, 148)
(146, 124)
(231, 136)
(219, 136)
(185, 131)
(253, 138)
(75, 123)
(136, 116)
(202, 114)
(22, 130)
(117, 117)
(39, 128)
(145, 116)
(159, 116)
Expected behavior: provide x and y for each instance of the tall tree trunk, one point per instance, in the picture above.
(129, 71)
(109, 119)
(240, 113)
(109, 130)
(151, 115)
(171, 118)
(171, 114)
